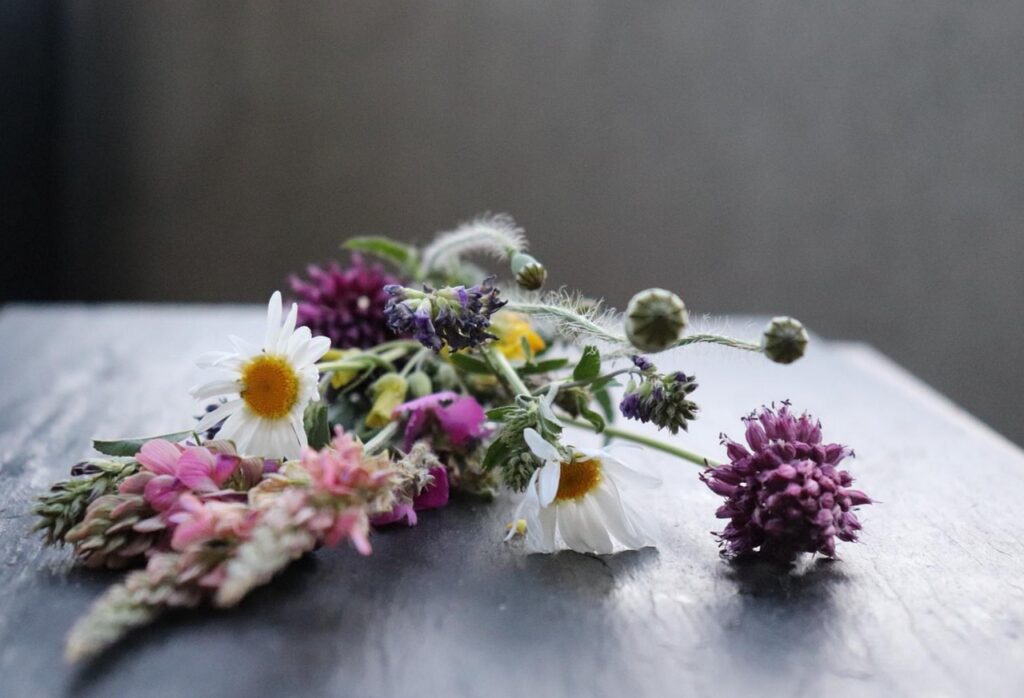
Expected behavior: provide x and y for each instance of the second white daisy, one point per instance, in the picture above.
(268, 389)
(584, 503)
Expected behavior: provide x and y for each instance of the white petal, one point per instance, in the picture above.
(547, 483)
(541, 448)
(594, 531)
(310, 352)
(219, 359)
(273, 323)
(628, 476)
(221, 387)
(540, 530)
(243, 346)
(545, 405)
(222, 412)
(230, 431)
(287, 329)
(615, 519)
(570, 527)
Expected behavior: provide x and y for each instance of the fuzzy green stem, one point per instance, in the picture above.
(572, 319)
(504, 370)
(647, 441)
(717, 339)
(588, 381)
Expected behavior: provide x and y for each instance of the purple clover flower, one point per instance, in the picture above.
(785, 495)
(344, 304)
(457, 317)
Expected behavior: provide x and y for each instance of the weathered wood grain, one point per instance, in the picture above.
(932, 602)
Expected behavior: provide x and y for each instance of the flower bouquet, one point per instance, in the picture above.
(389, 386)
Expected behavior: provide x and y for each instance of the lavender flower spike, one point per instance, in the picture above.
(786, 495)
(454, 316)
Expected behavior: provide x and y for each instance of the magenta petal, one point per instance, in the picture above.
(399, 513)
(462, 420)
(434, 495)
(414, 428)
(224, 468)
(159, 456)
(162, 492)
(196, 468)
(427, 402)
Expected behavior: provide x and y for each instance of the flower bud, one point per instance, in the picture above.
(530, 274)
(655, 319)
(388, 393)
(419, 384)
(446, 377)
(784, 340)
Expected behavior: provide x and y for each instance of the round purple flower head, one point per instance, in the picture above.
(345, 304)
(786, 495)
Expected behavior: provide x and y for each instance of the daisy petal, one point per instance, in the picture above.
(222, 412)
(541, 448)
(273, 323)
(547, 483)
(214, 388)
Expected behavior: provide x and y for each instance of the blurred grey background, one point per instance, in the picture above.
(859, 165)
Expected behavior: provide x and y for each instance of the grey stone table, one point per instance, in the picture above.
(930, 603)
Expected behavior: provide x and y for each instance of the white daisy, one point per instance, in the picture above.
(268, 389)
(582, 504)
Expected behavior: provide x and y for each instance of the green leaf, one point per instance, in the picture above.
(604, 399)
(468, 364)
(498, 452)
(395, 252)
(499, 414)
(129, 447)
(314, 420)
(527, 349)
(593, 417)
(543, 367)
(589, 365)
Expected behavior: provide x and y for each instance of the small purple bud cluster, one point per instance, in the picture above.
(786, 495)
(454, 316)
(662, 399)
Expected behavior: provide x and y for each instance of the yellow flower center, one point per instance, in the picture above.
(578, 479)
(269, 386)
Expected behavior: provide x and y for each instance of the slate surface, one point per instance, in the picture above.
(931, 603)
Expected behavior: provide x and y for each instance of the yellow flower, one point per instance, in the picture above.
(342, 377)
(388, 393)
(511, 329)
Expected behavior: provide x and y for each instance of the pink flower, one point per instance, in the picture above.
(342, 468)
(433, 496)
(171, 470)
(195, 521)
(461, 418)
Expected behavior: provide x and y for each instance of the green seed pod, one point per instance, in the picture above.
(655, 319)
(530, 274)
(419, 384)
(784, 340)
(446, 378)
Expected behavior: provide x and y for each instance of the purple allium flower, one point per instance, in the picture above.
(660, 399)
(344, 304)
(455, 316)
(786, 495)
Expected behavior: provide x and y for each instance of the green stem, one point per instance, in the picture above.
(717, 339)
(647, 441)
(380, 439)
(588, 381)
(415, 361)
(500, 365)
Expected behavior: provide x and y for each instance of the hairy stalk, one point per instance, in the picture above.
(646, 441)
(569, 321)
(380, 438)
(503, 369)
(718, 339)
(498, 236)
